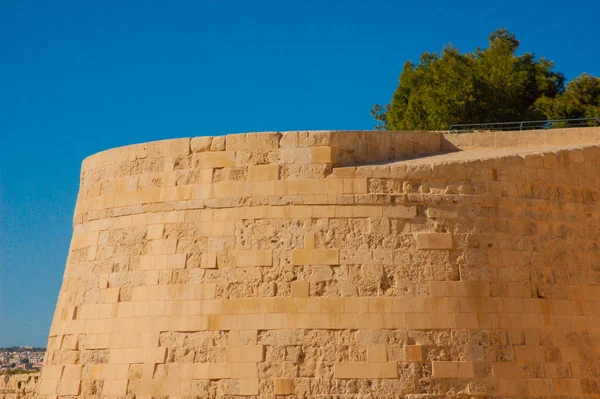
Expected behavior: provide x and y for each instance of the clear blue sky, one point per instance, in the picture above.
(77, 77)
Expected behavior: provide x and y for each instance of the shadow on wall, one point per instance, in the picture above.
(451, 142)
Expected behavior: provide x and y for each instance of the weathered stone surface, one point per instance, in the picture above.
(201, 144)
(19, 386)
(334, 264)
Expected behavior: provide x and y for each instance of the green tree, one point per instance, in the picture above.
(581, 99)
(487, 85)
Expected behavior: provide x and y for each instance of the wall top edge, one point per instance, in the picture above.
(338, 147)
(346, 140)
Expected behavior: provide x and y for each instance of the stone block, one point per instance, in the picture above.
(348, 172)
(445, 369)
(414, 353)
(326, 256)
(210, 371)
(323, 154)
(220, 159)
(245, 354)
(109, 295)
(118, 387)
(315, 257)
(180, 147)
(345, 370)
(263, 172)
(283, 386)
(377, 354)
(252, 258)
(434, 241)
(201, 144)
(51, 372)
(48, 387)
(155, 231)
(378, 370)
(400, 212)
(300, 288)
(466, 370)
(242, 370)
(156, 355)
(176, 261)
(248, 386)
(69, 387)
(209, 260)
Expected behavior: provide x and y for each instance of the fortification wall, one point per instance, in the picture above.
(263, 265)
(520, 139)
(18, 386)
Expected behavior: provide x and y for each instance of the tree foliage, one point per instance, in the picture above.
(581, 99)
(487, 85)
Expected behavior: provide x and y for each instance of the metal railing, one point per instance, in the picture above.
(525, 125)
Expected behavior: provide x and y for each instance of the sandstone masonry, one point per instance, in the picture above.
(334, 265)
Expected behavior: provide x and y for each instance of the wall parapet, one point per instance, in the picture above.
(520, 139)
(346, 148)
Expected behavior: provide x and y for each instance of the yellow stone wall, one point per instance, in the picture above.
(333, 265)
(18, 386)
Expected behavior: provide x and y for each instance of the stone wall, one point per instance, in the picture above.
(18, 386)
(521, 139)
(265, 265)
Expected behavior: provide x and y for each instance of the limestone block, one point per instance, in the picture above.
(283, 386)
(377, 354)
(444, 369)
(466, 370)
(245, 354)
(155, 232)
(434, 241)
(201, 144)
(69, 387)
(220, 159)
(242, 370)
(400, 212)
(505, 370)
(344, 173)
(414, 353)
(52, 372)
(253, 258)
(210, 371)
(378, 370)
(366, 370)
(118, 387)
(324, 154)
(345, 370)
(300, 288)
(201, 191)
(315, 257)
(263, 172)
(176, 261)
(248, 386)
(209, 260)
(156, 355)
(218, 143)
(110, 295)
(180, 147)
(48, 386)
(72, 372)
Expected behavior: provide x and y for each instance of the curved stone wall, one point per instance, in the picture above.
(267, 265)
